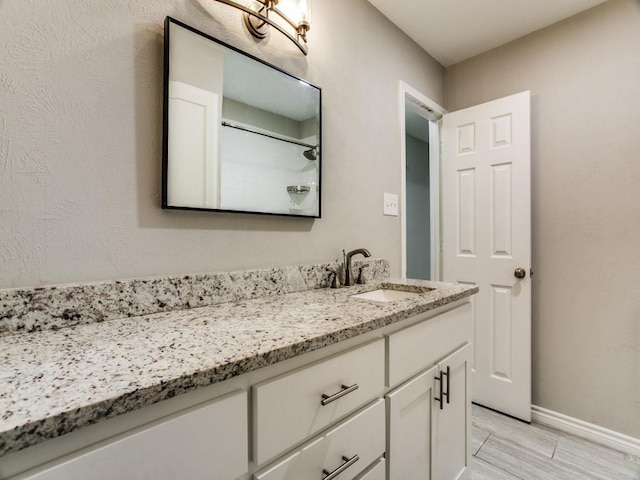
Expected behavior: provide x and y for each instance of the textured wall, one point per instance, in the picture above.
(584, 77)
(80, 141)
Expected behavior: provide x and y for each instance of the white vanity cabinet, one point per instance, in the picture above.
(429, 414)
(427, 408)
(361, 409)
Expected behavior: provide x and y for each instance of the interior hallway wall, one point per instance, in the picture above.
(583, 74)
(418, 208)
(81, 136)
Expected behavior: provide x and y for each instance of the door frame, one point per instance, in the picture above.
(407, 92)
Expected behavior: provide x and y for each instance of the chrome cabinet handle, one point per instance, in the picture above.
(327, 399)
(347, 463)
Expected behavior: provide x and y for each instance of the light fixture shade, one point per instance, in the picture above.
(296, 10)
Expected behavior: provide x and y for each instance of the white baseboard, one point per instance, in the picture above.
(589, 431)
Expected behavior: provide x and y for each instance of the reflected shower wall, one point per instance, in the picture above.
(252, 182)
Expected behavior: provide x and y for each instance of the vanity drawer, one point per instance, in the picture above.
(289, 408)
(363, 435)
(415, 348)
(185, 445)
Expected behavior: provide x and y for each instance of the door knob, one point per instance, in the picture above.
(520, 272)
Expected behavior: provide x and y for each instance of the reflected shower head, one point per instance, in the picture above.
(310, 154)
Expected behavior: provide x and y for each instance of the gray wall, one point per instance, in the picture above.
(584, 77)
(418, 205)
(81, 130)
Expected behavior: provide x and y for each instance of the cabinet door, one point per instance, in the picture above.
(410, 410)
(205, 442)
(452, 423)
(377, 471)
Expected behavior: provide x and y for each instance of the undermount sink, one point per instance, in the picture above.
(385, 295)
(391, 292)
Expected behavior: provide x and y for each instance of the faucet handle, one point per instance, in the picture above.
(362, 278)
(334, 279)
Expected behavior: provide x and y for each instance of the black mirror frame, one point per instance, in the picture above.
(165, 120)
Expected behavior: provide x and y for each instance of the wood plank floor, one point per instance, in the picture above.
(506, 449)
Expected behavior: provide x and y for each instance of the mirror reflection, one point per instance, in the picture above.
(240, 135)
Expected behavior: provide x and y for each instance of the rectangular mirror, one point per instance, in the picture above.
(240, 135)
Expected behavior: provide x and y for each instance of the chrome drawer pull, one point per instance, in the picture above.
(347, 463)
(327, 399)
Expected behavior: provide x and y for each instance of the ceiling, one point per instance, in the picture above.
(454, 30)
(415, 123)
(254, 83)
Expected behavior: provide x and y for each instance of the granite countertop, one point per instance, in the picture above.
(57, 381)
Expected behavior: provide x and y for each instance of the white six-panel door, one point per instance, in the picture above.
(193, 148)
(486, 221)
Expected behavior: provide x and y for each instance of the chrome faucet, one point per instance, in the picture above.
(348, 273)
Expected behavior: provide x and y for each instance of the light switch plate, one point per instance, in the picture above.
(390, 204)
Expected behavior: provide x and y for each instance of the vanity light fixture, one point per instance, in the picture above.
(259, 14)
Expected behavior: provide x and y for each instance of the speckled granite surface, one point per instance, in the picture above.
(57, 381)
(55, 307)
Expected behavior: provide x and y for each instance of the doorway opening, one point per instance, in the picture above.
(420, 184)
